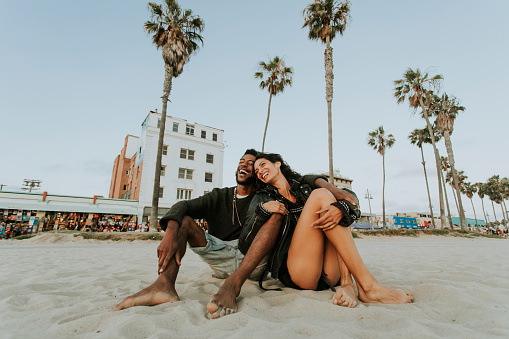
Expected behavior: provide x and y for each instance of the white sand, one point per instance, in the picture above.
(66, 290)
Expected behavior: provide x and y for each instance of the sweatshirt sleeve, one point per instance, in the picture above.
(310, 179)
(198, 208)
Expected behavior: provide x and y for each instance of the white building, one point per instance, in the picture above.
(192, 163)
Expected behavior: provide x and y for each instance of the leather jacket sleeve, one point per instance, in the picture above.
(256, 217)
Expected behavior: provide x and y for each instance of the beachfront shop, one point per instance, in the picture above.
(37, 212)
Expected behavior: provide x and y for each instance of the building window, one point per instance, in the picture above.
(214, 136)
(125, 187)
(210, 158)
(158, 123)
(127, 172)
(183, 194)
(175, 127)
(186, 154)
(189, 129)
(165, 149)
(185, 173)
(208, 177)
(204, 134)
(161, 191)
(163, 171)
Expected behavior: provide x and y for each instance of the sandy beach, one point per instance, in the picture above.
(61, 286)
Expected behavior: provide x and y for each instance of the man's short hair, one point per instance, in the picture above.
(251, 151)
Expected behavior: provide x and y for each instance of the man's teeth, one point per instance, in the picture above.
(242, 172)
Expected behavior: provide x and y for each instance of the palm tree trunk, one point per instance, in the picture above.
(475, 216)
(383, 186)
(446, 200)
(329, 77)
(437, 160)
(267, 122)
(494, 214)
(450, 155)
(484, 212)
(427, 188)
(168, 74)
(507, 216)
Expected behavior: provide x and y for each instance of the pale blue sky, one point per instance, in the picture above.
(77, 76)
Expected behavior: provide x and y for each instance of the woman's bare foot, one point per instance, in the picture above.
(159, 292)
(224, 302)
(385, 295)
(345, 296)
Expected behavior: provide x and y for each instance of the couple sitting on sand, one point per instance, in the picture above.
(295, 227)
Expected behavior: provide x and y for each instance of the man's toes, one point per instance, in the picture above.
(212, 306)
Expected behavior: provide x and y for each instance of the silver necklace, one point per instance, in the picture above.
(235, 208)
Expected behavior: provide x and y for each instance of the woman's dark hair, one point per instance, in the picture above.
(285, 168)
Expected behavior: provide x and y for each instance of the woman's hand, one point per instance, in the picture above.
(331, 218)
(275, 207)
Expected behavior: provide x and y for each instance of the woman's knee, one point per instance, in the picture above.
(322, 195)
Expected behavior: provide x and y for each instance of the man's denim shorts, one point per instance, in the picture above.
(224, 257)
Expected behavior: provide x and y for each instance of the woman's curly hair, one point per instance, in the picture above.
(287, 171)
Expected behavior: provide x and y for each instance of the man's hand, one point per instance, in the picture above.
(339, 194)
(167, 249)
(329, 220)
(275, 207)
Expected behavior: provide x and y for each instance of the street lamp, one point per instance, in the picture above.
(369, 197)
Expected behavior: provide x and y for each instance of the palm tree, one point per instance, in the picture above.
(418, 137)
(380, 141)
(481, 191)
(496, 190)
(176, 32)
(414, 87)
(469, 190)
(278, 76)
(504, 185)
(325, 19)
(446, 110)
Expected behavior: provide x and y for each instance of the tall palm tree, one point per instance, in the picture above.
(277, 77)
(177, 33)
(446, 110)
(494, 192)
(469, 190)
(462, 178)
(414, 87)
(380, 142)
(418, 137)
(446, 169)
(504, 183)
(481, 191)
(325, 19)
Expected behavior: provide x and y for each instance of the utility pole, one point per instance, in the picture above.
(369, 197)
(31, 184)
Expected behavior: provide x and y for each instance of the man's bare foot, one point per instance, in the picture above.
(345, 296)
(158, 293)
(224, 301)
(385, 295)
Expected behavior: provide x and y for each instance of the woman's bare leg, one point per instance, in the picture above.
(370, 290)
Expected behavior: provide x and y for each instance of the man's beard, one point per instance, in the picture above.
(249, 181)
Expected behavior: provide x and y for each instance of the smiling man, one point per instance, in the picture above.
(225, 210)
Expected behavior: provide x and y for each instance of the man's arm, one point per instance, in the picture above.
(332, 215)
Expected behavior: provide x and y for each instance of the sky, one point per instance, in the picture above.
(77, 76)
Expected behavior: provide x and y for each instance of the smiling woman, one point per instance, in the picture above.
(315, 249)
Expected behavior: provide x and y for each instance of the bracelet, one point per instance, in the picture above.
(350, 213)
